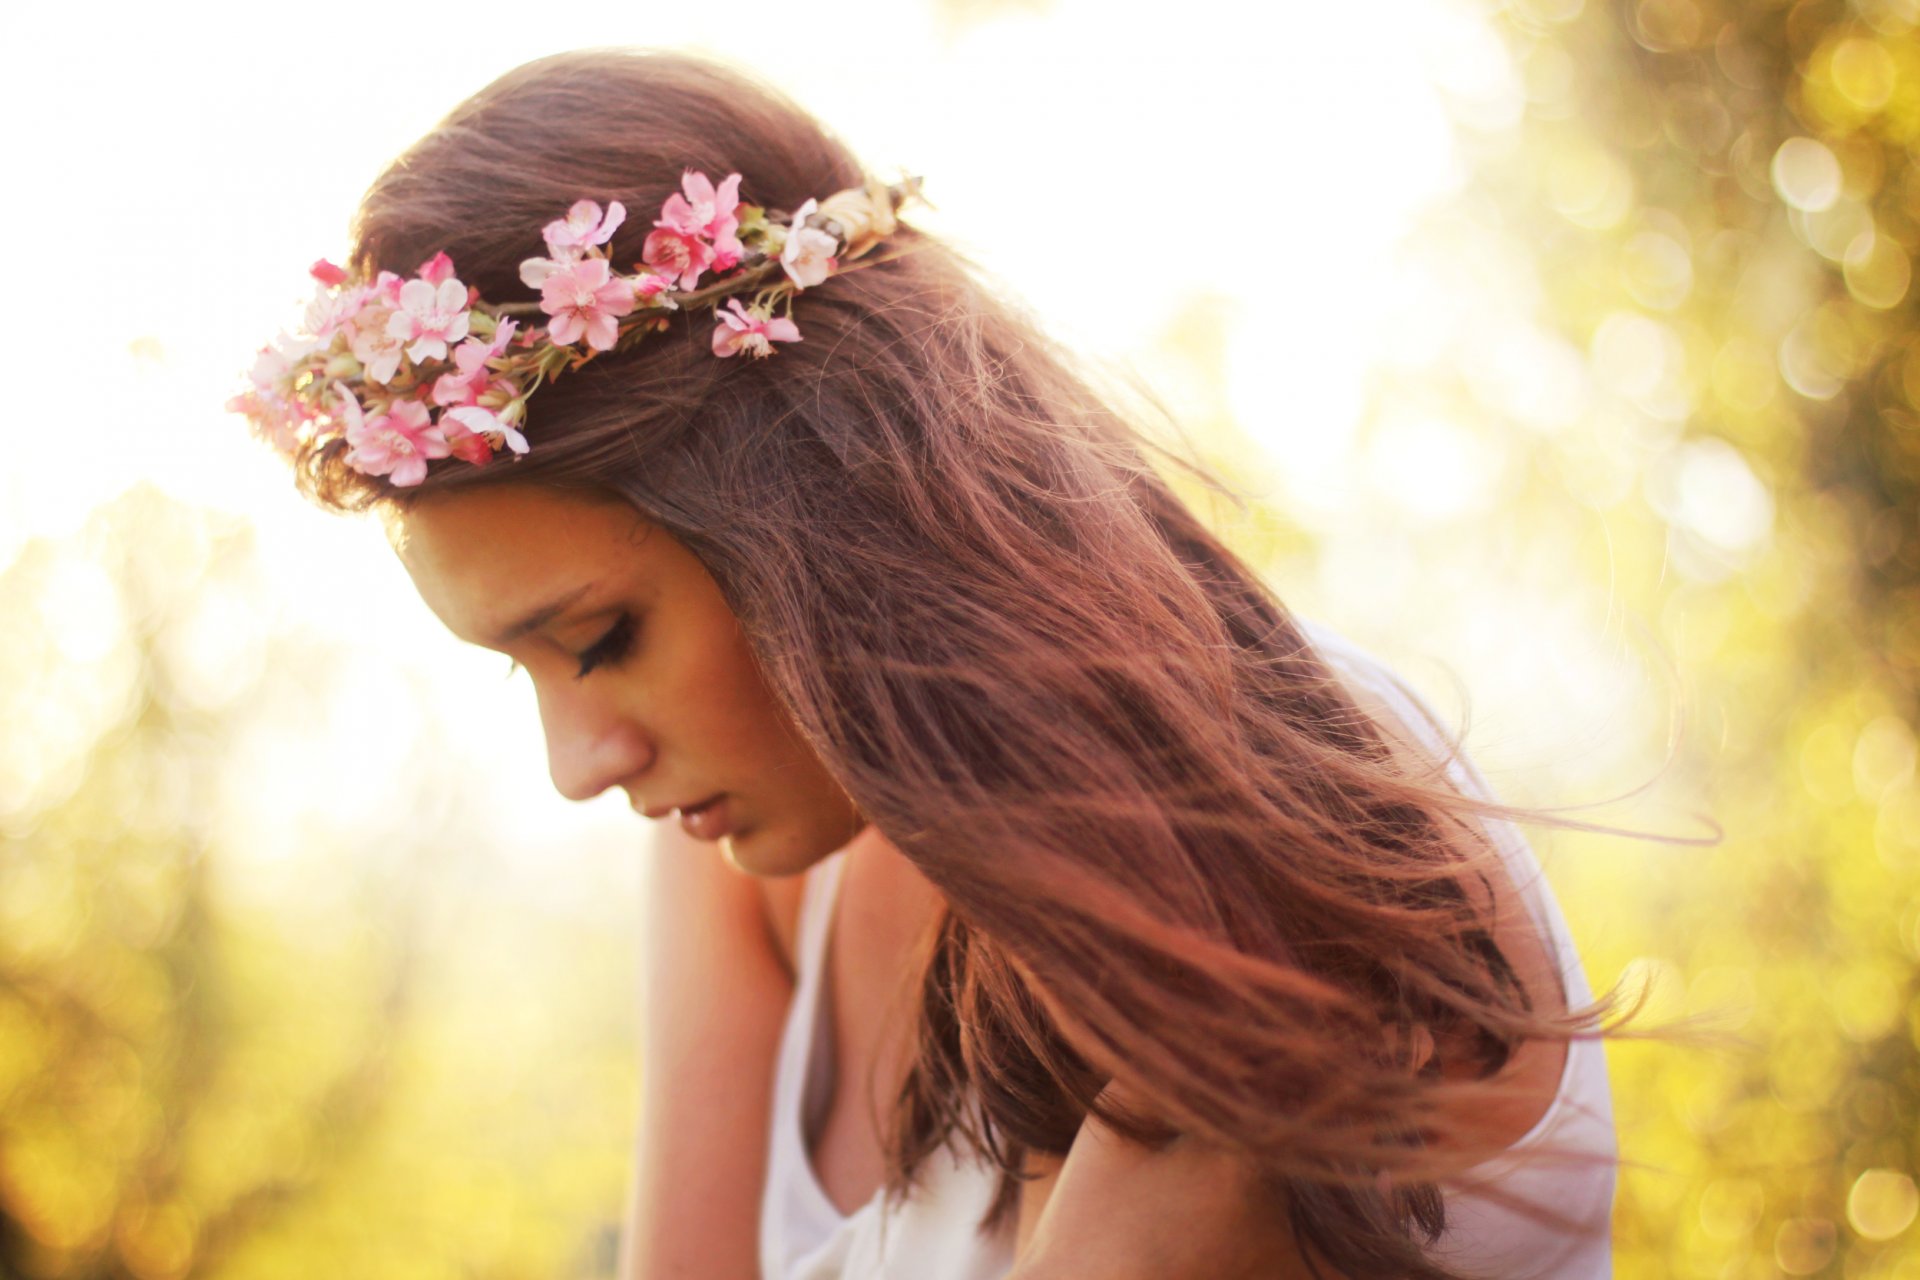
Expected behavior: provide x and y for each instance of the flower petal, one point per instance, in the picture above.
(616, 214)
(416, 296)
(602, 331)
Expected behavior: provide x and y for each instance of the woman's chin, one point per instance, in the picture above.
(758, 852)
(771, 852)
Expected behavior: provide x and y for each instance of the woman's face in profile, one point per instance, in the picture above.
(644, 678)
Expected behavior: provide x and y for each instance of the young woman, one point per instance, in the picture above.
(1045, 899)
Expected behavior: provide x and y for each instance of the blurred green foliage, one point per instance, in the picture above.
(215, 1054)
(1721, 203)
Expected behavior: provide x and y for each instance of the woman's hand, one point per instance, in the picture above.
(1186, 1212)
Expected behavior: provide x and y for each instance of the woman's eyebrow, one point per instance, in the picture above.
(539, 617)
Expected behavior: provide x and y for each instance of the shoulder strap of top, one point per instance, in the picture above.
(816, 911)
(797, 1221)
(812, 1071)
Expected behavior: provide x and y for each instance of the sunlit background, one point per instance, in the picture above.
(1567, 354)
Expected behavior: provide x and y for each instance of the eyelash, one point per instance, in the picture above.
(610, 648)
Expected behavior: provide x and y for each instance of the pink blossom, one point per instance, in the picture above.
(350, 415)
(697, 229)
(706, 212)
(272, 418)
(585, 297)
(270, 368)
(464, 443)
(485, 422)
(808, 255)
(677, 254)
(583, 227)
(472, 374)
(365, 323)
(272, 410)
(274, 367)
(371, 343)
(395, 444)
(333, 309)
(649, 285)
(722, 228)
(430, 316)
(326, 273)
(749, 331)
(437, 268)
(534, 271)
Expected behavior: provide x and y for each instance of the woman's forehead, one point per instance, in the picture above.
(486, 559)
(497, 519)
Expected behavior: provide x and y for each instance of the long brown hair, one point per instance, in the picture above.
(1150, 806)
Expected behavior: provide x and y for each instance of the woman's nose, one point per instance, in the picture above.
(589, 747)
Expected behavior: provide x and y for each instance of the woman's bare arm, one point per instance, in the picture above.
(1118, 1211)
(1115, 1210)
(714, 992)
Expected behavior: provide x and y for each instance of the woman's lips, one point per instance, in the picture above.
(658, 812)
(708, 820)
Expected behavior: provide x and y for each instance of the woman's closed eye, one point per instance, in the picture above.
(609, 649)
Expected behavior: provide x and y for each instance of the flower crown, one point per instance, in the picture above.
(405, 371)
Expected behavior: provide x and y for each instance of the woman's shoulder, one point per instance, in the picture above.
(1527, 930)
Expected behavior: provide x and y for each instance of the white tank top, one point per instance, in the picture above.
(1541, 1209)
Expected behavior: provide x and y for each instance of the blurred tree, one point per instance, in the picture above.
(216, 1054)
(149, 1121)
(1720, 205)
